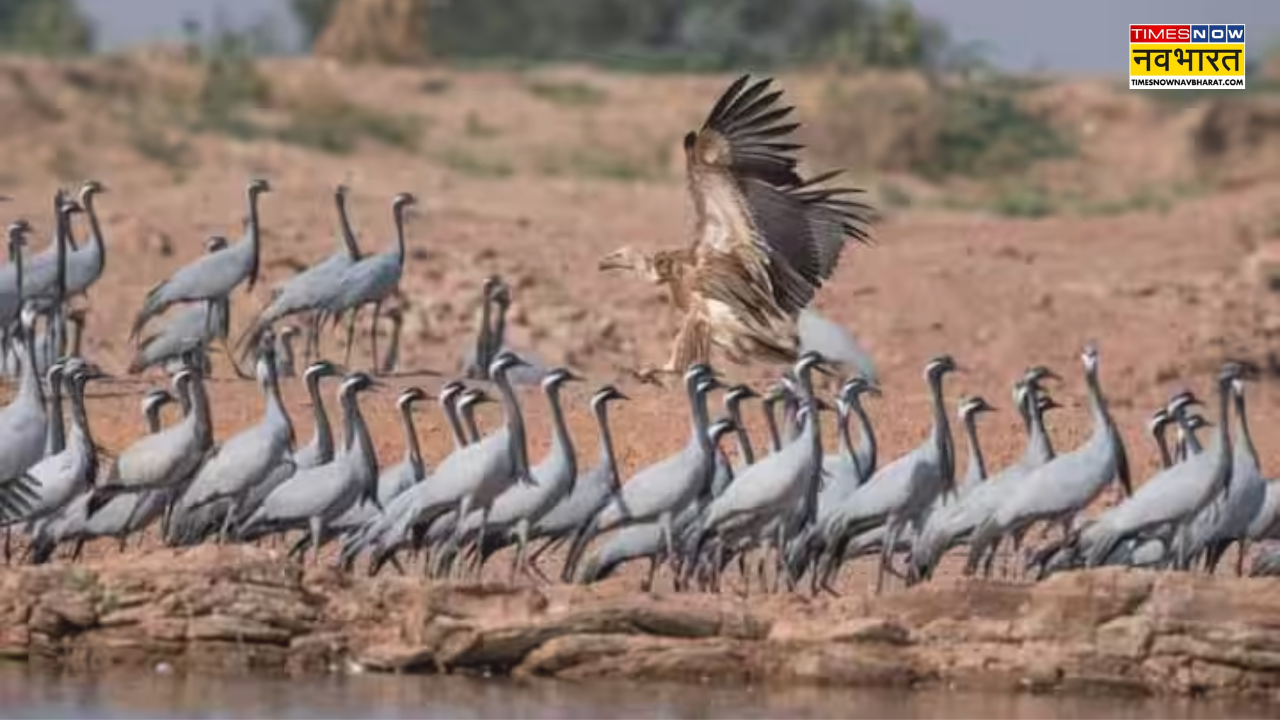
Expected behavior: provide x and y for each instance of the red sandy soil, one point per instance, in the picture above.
(1166, 295)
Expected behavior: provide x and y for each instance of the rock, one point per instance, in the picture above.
(243, 610)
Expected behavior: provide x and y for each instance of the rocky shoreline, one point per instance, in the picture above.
(242, 610)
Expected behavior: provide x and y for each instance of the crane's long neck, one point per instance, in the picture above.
(469, 421)
(359, 444)
(449, 406)
(1160, 433)
(746, 453)
(607, 458)
(514, 420)
(1039, 447)
(200, 412)
(56, 440)
(255, 243)
(400, 243)
(1097, 404)
(348, 235)
(81, 437)
(77, 334)
(1245, 441)
(942, 432)
(977, 470)
(1223, 435)
(413, 452)
(866, 449)
(698, 420)
(790, 407)
(152, 417)
(15, 256)
(275, 406)
(771, 422)
(392, 358)
(498, 337)
(323, 433)
(95, 227)
(29, 389)
(483, 353)
(561, 440)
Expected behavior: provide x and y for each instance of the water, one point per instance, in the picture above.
(32, 694)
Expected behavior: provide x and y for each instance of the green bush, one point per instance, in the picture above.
(44, 27)
(984, 132)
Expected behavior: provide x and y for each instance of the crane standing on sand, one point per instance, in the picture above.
(765, 238)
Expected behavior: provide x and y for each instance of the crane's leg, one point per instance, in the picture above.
(886, 552)
(8, 545)
(479, 561)
(225, 530)
(317, 529)
(78, 550)
(1242, 548)
(352, 314)
(373, 339)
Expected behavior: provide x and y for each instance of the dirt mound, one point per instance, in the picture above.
(380, 31)
(1238, 141)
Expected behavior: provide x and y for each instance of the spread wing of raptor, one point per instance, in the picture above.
(765, 237)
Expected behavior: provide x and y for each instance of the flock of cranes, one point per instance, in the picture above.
(766, 240)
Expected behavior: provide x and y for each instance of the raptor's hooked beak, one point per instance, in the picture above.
(623, 259)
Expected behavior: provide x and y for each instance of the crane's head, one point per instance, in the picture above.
(504, 361)
(155, 399)
(53, 375)
(1158, 420)
(558, 377)
(215, 243)
(88, 190)
(257, 186)
(1037, 374)
(1195, 421)
(1044, 404)
(401, 202)
(973, 406)
(411, 396)
(812, 360)
(69, 207)
(939, 366)
(450, 390)
(1090, 358)
(605, 394)
(472, 397)
(721, 427)
(320, 369)
(182, 380)
(1179, 403)
(738, 393)
(18, 231)
(341, 191)
(358, 381)
(500, 295)
(855, 386)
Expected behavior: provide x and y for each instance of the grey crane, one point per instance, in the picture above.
(1172, 496)
(640, 540)
(660, 491)
(515, 510)
(591, 490)
(55, 436)
(23, 426)
(901, 492)
(1226, 520)
(1063, 486)
(1266, 524)
(11, 280)
(191, 329)
(167, 458)
(318, 451)
(372, 280)
(316, 496)
(1157, 427)
(969, 409)
(86, 264)
(307, 291)
(725, 468)
(248, 457)
(470, 476)
(773, 487)
(57, 479)
(532, 372)
(122, 516)
(394, 480)
(284, 351)
(475, 359)
(212, 275)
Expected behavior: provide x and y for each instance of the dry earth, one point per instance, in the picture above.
(536, 174)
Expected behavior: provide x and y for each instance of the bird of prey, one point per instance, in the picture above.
(765, 240)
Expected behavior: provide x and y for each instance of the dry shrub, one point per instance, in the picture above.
(377, 31)
(1238, 139)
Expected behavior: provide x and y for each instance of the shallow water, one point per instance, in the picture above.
(26, 693)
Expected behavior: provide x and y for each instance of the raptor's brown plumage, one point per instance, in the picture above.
(765, 239)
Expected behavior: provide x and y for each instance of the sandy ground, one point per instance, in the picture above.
(1164, 294)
